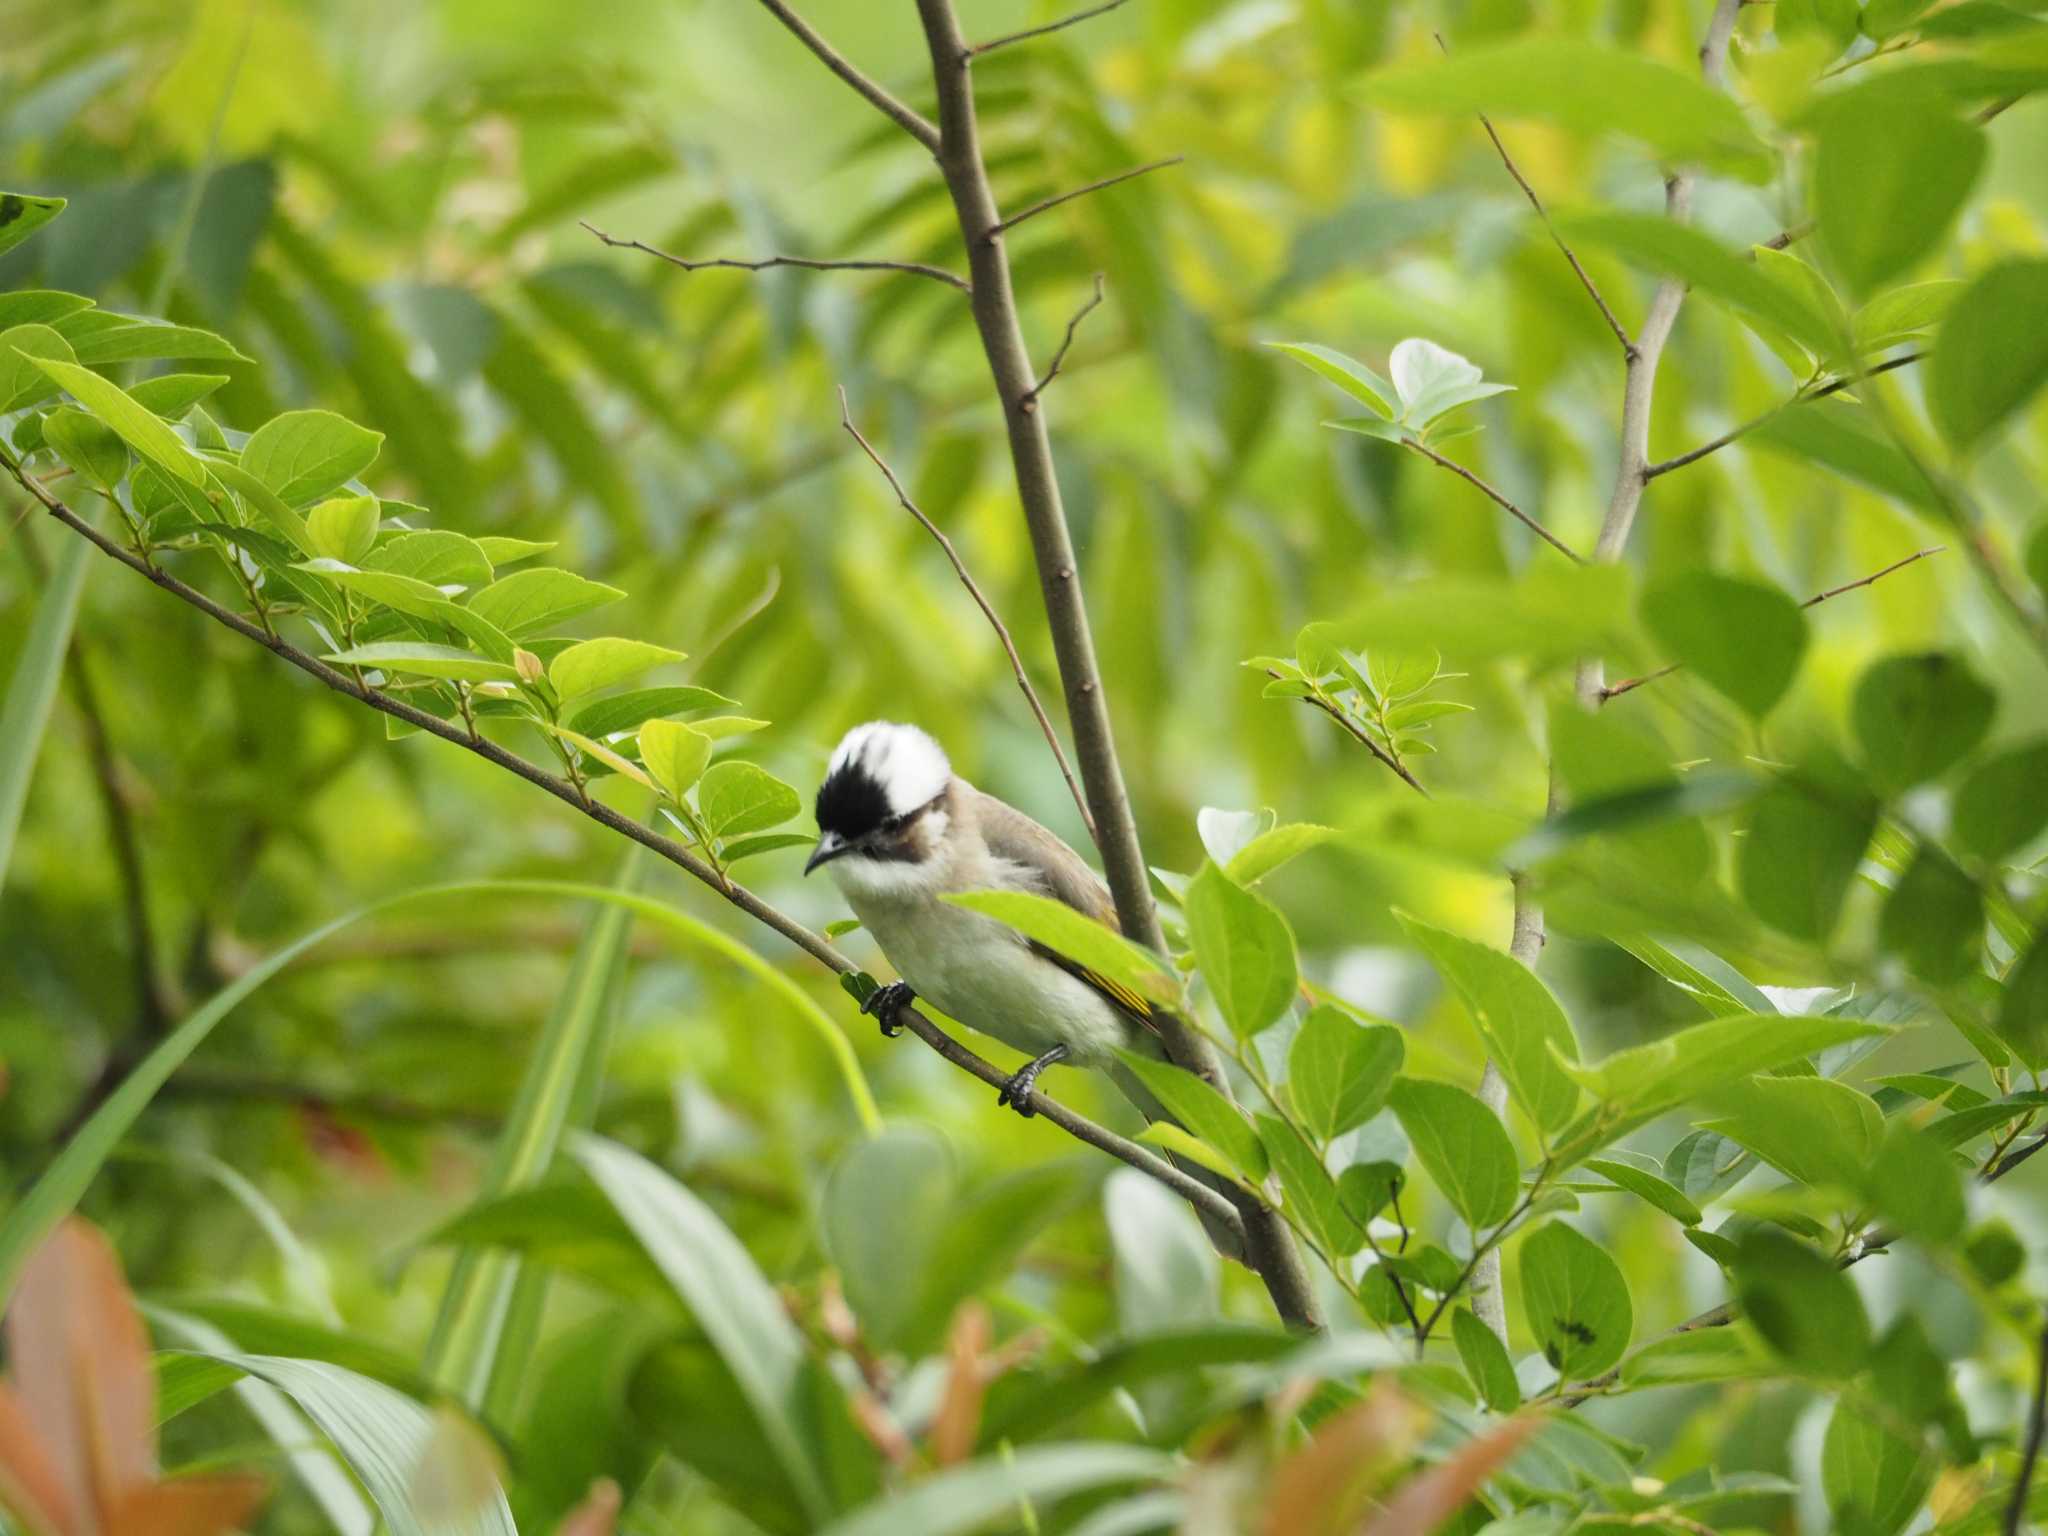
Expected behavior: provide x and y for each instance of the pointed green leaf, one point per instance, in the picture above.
(1339, 1071)
(1575, 1301)
(1244, 949)
(1461, 1146)
(302, 455)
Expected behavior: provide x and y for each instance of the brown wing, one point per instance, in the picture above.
(1064, 875)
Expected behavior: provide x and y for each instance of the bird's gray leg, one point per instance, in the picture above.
(1017, 1091)
(886, 1001)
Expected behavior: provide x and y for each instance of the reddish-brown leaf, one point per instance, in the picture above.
(1323, 1487)
(1427, 1501)
(596, 1514)
(186, 1506)
(958, 1420)
(81, 1367)
(30, 1485)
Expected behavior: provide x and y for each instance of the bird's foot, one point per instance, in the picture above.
(1017, 1091)
(886, 1002)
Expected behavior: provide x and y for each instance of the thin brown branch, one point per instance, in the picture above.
(1028, 33)
(987, 608)
(1497, 499)
(912, 122)
(1629, 685)
(1792, 234)
(815, 945)
(1364, 738)
(1059, 357)
(2030, 1452)
(1833, 387)
(809, 264)
(1585, 278)
(996, 230)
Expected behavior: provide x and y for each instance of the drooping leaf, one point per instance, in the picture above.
(1992, 352)
(1676, 250)
(1486, 1362)
(32, 692)
(1874, 1476)
(1339, 1070)
(1203, 1111)
(1244, 948)
(1575, 1301)
(1461, 1146)
(1934, 919)
(1310, 1192)
(1804, 1306)
(1889, 176)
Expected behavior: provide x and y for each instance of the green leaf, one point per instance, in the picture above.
(435, 555)
(1914, 1185)
(1675, 250)
(344, 528)
(1310, 1191)
(265, 502)
(1743, 638)
(1904, 313)
(171, 395)
(25, 714)
(87, 445)
(1348, 374)
(1272, 848)
(1805, 1308)
(1842, 438)
(1575, 1301)
(966, 1498)
(674, 753)
(39, 306)
(1078, 938)
(1244, 949)
(1664, 1195)
(101, 338)
(1204, 1112)
(1366, 1189)
(1813, 1129)
(527, 601)
(1874, 1478)
(382, 1435)
(22, 383)
(771, 842)
(424, 660)
(732, 1301)
(590, 666)
(1706, 1354)
(1804, 842)
(1583, 87)
(626, 711)
(22, 215)
(1916, 715)
(136, 425)
(1339, 1071)
(736, 797)
(1433, 381)
(1526, 1032)
(2023, 1015)
(1889, 177)
(1461, 1145)
(393, 591)
(1486, 1362)
(1934, 919)
(500, 550)
(302, 455)
(1992, 353)
(2003, 804)
(1647, 1079)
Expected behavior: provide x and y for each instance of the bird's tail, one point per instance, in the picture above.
(1228, 1241)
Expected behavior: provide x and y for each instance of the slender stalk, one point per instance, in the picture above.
(1268, 1245)
(1028, 33)
(996, 231)
(1058, 358)
(876, 95)
(2030, 1452)
(1652, 471)
(809, 264)
(1497, 498)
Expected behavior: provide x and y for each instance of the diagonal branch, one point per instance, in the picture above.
(1364, 738)
(1497, 499)
(819, 948)
(1652, 471)
(914, 268)
(912, 122)
(1064, 22)
(1059, 357)
(1629, 685)
(995, 231)
(1585, 277)
(974, 591)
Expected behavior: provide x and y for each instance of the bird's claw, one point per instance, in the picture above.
(885, 1002)
(1023, 1082)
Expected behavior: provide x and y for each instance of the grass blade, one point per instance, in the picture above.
(33, 689)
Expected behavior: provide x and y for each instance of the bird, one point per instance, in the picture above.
(898, 831)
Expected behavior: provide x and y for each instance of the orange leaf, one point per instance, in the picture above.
(186, 1506)
(1322, 1488)
(1427, 1501)
(595, 1515)
(81, 1367)
(958, 1420)
(29, 1482)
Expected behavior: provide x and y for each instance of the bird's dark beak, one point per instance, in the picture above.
(830, 846)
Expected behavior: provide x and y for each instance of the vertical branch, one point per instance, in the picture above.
(2030, 1453)
(1269, 1246)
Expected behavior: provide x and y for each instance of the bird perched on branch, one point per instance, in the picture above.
(899, 831)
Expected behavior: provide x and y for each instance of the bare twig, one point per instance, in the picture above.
(1028, 33)
(2030, 1453)
(1629, 685)
(914, 123)
(1585, 277)
(815, 945)
(981, 601)
(1834, 386)
(1002, 226)
(1497, 499)
(1059, 357)
(914, 268)
(1268, 1245)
